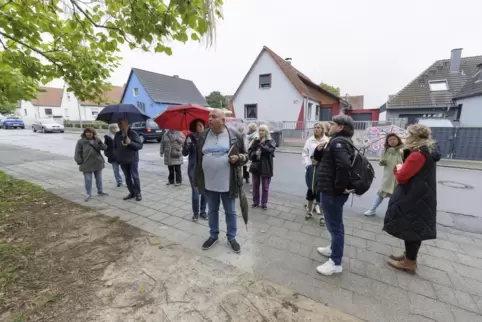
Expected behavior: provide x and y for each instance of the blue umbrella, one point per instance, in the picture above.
(113, 113)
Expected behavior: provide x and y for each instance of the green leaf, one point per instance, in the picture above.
(195, 37)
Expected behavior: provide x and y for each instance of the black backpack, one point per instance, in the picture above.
(361, 172)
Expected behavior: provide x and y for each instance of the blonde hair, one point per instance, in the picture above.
(326, 127)
(266, 130)
(320, 124)
(113, 127)
(252, 127)
(419, 135)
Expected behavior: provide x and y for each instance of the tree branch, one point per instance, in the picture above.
(41, 53)
(3, 45)
(6, 4)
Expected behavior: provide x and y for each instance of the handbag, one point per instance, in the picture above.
(255, 167)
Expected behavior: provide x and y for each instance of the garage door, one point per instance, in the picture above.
(362, 117)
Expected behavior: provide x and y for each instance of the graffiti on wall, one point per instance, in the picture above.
(374, 137)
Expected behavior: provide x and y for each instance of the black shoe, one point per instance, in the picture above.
(129, 196)
(210, 243)
(264, 207)
(138, 197)
(119, 185)
(102, 194)
(254, 206)
(234, 245)
(203, 215)
(195, 217)
(169, 183)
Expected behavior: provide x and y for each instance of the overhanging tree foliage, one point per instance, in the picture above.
(79, 40)
(332, 89)
(216, 100)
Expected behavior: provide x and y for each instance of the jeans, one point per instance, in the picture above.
(174, 173)
(411, 249)
(213, 199)
(88, 182)
(131, 173)
(195, 196)
(377, 202)
(117, 175)
(264, 182)
(333, 211)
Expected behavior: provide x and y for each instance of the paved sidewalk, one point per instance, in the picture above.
(280, 246)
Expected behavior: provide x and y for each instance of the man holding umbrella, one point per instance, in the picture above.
(220, 155)
(126, 148)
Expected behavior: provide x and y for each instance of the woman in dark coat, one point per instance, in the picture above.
(190, 148)
(261, 154)
(412, 210)
(109, 152)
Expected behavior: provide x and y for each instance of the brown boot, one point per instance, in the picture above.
(404, 265)
(397, 257)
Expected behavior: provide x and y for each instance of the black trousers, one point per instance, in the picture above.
(245, 173)
(411, 249)
(174, 173)
(131, 173)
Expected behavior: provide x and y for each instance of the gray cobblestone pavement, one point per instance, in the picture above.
(280, 246)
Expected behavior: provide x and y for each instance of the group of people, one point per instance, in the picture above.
(221, 159)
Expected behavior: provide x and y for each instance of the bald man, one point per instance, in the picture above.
(221, 155)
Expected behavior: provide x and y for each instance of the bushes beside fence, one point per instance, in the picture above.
(95, 125)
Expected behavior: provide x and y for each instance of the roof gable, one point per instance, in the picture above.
(302, 83)
(417, 93)
(48, 96)
(473, 87)
(112, 96)
(168, 89)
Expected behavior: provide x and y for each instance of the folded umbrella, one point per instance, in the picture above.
(179, 117)
(113, 113)
(243, 204)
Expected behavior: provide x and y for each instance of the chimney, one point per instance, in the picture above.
(288, 60)
(479, 77)
(175, 76)
(455, 56)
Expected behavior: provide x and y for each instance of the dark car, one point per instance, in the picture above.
(13, 122)
(148, 130)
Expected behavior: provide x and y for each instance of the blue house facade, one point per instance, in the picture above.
(152, 93)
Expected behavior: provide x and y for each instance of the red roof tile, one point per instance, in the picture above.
(48, 96)
(112, 96)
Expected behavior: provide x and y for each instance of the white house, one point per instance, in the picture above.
(470, 100)
(76, 110)
(47, 104)
(274, 90)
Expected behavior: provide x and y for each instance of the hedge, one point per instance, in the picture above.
(95, 125)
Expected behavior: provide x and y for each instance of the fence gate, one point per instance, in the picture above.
(460, 143)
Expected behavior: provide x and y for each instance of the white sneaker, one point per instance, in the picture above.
(317, 209)
(329, 268)
(369, 213)
(325, 251)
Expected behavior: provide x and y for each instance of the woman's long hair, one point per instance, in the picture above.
(419, 135)
(390, 136)
(193, 124)
(266, 130)
(90, 130)
(320, 124)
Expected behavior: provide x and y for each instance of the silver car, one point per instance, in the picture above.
(47, 125)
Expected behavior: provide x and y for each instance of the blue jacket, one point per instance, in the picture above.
(129, 153)
(310, 176)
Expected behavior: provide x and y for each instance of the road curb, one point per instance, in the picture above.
(440, 164)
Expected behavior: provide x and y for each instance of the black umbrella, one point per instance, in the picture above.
(113, 113)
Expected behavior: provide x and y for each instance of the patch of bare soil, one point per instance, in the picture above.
(62, 262)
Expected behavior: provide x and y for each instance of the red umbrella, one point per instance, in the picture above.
(179, 117)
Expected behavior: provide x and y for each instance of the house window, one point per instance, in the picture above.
(251, 111)
(25, 111)
(308, 112)
(141, 106)
(265, 81)
(68, 97)
(66, 112)
(439, 85)
(326, 114)
(94, 113)
(317, 112)
(48, 111)
(136, 92)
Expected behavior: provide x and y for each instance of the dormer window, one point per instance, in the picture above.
(265, 81)
(438, 85)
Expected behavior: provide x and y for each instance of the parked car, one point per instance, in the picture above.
(148, 130)
(47, 125)
(12, 122)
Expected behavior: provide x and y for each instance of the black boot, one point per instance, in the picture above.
(138, 197)
(129, 196)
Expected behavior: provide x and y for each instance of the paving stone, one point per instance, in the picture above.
(470, 260)
(478, 301)
(356, 242)
(310, 230)
(445, 244)
(278, 231)
(435, 262)
(370, 257)
(354, 224)
(379, 248)
(381, 274)
(277, 273)
(299, 237)
(445, 294)
(304, 250)
(158, 216)
(278, 242)
(415, 284)
(434, 275)
(357, 267)
(292, 225)
(373, 228)
(429, 308)
(441, 253)
(276, 222)
(458, 239)
(461, 315)
(466, 284)
(467, 271)
(472, 251)
(466, 301)
(364, 234)
(192, 228)
(388, 240)
(171, 220)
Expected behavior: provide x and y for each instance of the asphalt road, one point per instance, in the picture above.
(457, 207)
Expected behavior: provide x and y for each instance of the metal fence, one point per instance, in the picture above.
(460, 143)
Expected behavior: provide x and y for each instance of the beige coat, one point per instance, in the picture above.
(171, 148)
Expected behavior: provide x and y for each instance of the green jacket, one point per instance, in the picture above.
(88, 155)
(236, 176)
(390, 158)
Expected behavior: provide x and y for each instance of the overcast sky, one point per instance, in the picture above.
(369, 47)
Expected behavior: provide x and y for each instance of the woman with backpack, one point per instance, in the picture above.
(392, 155)
(412, 211)
(171, 151)
(261, 154)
